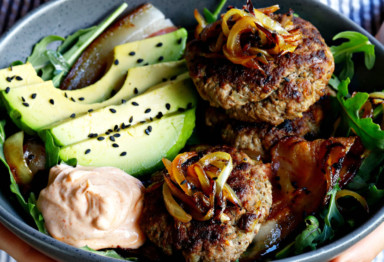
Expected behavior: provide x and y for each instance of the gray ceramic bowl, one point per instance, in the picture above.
(63, 17)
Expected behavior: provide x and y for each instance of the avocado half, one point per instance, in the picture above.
(136, 150)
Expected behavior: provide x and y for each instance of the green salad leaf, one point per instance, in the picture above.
(109, 253)
(30, 205)
(212, 17)
(308, 238)
(343, 53)
(369, 132)
(51, 149)
(54, 65)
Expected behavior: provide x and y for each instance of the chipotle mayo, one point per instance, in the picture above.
(94, 207)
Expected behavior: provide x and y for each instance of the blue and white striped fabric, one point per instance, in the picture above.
(367, 13)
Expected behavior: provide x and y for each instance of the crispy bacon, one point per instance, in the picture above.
(302, 174)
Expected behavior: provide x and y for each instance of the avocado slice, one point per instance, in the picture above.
(163, 48)
(20, 75)
(37, 106)
(168, 98)
(136, 150)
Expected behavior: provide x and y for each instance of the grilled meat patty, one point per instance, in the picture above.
(256, 139)
(213, 240)
(289, 85)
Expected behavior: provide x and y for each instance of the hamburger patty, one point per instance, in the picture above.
(256, 139)
(213, 240)
(289, 85)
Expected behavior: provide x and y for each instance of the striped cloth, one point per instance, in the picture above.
(367, 13)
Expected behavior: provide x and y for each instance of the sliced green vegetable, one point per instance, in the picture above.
(343, 53)
(30, 206)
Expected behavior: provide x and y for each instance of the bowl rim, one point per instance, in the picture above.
(49, 246)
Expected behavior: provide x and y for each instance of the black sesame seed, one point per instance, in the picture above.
(22, 99)
(173, 77)
(139, 60)
(90, 110)
(9, 79)
(7, 90)
(123, 126)
(107, 133)
(112, 138)
(92, 135)
(159, 44)
(146, 64)
(123, 101)
(123, 154)
(161, 58)
(159, 115)
(19, 78)
(52, 101)
(164, 80)
(87, 151)
(150, 119)
(168, 106)
(65, 94)
(100, 138)
(147, 132)
(135, 91)
(112, 110)
(73, 115)
(72, 99)
(81, 98)
(131, 119)
(26, 104)
(116, 135)
(149, 128)
(179, 41)
(115, 127)
(110, 130)
(135, 103)
(31, 157)
(148, 110)
(183, 182)
(132, 53)
(142, 122)
(116, 62)
(115, 145)
(181, 110)
(33, 96)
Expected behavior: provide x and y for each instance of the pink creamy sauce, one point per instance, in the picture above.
(94, 207)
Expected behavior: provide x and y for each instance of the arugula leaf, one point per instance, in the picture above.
(51, 149)
(375, 195)
(343, 53)
(30, 206)
(309, 236)
(109, 253)
(212, 17)
(332, 217)
(369, 132)
(54, 65)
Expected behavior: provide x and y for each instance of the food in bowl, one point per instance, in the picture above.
(148, 129)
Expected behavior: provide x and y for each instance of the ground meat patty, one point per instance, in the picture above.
(213, 240)
(256, 139)
(290, 85)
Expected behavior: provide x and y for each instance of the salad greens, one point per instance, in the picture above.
(30, 205)
(109, 253)
(212, 17)
(343, 53)
(54, 65)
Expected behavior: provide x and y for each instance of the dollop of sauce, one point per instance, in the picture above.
(94, 207)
